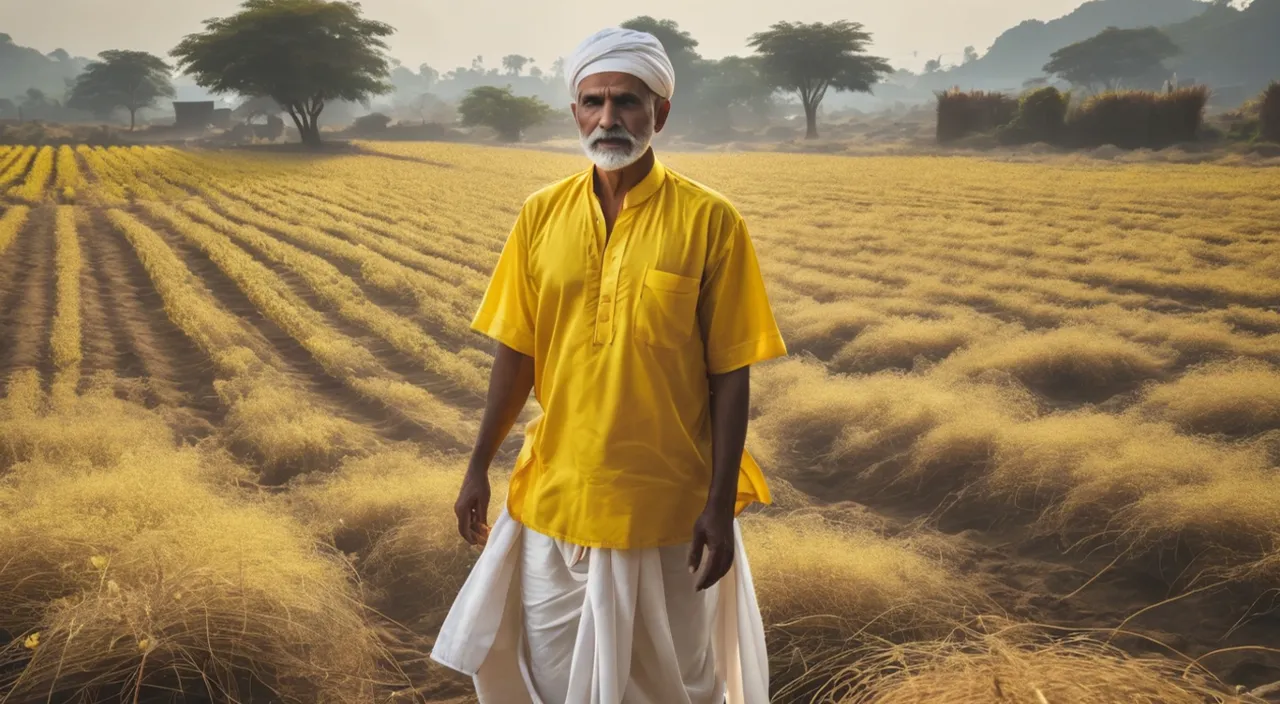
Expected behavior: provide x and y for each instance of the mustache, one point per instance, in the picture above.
(615, 132)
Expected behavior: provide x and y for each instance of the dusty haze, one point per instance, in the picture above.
(449, 34)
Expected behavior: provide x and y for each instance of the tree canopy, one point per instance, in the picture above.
(809, 59)
(689, 67)
(132, 80)
(508, 114)
(301, 53)
(514, 64)
(1114, 55)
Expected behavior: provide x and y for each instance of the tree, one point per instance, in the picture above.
(429, 76)
(132, 80)
(688, 65)
(933, 65)
(732, 82)
(253, 108)
(301, 53)
(59, 55)
(508, 114)
(1115, 55)
(970, 54)
(514, 64)
(809, 59)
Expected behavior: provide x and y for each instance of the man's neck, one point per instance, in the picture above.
(612, 186)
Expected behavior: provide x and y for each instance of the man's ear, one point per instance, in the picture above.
(573, 108)
(661, 115)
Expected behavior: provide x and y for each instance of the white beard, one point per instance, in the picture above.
(613, 159)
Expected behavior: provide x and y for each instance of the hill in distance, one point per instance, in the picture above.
(1020, 52)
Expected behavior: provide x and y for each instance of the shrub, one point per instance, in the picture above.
(1139, 119)
(370, 124)
(962, 113)
(506, 113)
(1042, 115)
(1269, 116)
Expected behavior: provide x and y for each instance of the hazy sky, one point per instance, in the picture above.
(448, 34)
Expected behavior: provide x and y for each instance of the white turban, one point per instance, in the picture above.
(624, 51)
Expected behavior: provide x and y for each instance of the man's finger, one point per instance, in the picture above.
(464, 523)
(709, 567)
(721, 560)
(695, 551)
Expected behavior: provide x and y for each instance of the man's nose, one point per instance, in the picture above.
(609, 115)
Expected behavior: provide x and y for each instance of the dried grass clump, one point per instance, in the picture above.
(1073, 363)
(1081, 469)
(828, 432)
(822, 328)
(807, 568)
(1237, 513)
(1020, 666)
(395, 509)
(131, 574)
(899, 342)
(1239, 397)
(825, 589)
(96, 428)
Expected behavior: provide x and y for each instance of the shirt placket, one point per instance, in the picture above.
(610, 273)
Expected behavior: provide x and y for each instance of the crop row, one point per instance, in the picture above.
(341, 357)
(64, 340)
(269, 416)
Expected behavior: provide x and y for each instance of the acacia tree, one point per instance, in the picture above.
(132, 80)
(1104, 60)
(508, 114)
(301, 53)
(809, 59)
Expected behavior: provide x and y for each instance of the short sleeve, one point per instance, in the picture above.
(506, 312)
(736, 320)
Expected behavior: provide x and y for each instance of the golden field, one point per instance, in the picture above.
(1026, 447)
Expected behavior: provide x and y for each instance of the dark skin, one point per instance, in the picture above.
(607, 100)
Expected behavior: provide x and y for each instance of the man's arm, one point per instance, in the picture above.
(509, 383)
(730, 403)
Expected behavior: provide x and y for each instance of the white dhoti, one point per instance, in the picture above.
(543, 621)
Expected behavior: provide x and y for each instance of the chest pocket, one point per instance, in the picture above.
(668, 309)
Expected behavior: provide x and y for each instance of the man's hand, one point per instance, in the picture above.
(472, 507)
(713, 533)
(509, 383)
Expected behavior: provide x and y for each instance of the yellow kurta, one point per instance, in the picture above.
(623, 336)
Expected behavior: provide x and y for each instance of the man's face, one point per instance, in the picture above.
(617, 117)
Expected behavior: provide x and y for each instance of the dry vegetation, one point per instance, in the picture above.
(1028, 404)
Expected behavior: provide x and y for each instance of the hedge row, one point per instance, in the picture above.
(1127, 119)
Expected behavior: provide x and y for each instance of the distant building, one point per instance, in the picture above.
(194, 115)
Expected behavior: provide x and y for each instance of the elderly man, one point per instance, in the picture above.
(629, 298)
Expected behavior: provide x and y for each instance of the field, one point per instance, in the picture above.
(1025, 448)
